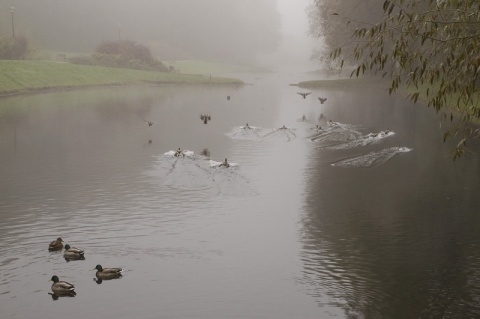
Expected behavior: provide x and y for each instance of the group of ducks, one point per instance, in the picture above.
(63, 288)
(305, 94)
(180, 153)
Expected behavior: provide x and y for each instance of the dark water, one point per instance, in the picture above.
(285, 234)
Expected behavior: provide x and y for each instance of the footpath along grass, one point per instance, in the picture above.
(203, 67)
(30, 76)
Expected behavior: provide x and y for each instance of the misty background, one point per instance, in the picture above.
(269, 32)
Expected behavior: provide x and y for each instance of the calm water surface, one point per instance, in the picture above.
(283, 235)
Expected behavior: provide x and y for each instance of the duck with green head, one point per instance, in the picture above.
(107, 273)
(62, 287)
(56, 245)
(73, 253)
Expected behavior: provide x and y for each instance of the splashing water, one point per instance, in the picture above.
(371, 159)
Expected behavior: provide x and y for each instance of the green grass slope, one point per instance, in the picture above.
(30, 76)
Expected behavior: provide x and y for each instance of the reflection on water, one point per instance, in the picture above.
(398, 241)
(56, 296)
(194, 172)
(281, 234)
(283, 133)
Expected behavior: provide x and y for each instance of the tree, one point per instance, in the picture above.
(333, 22)
(122, 54)
(127, 50)
(431, 46)
(228, 30)
(13, 48)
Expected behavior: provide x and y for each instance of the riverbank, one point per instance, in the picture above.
(19, 77)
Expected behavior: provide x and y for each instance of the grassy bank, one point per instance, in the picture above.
(30, 76)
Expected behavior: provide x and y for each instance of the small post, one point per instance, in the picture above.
(12, 10)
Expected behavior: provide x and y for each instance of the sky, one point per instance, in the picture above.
(294, 18)
(297, 46)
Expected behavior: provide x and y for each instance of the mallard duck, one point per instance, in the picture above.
(205, 118)
(179, 153)
(150, 123)
(224, 164)
(62, 287)
(304, 94)
(322, 99)
(73, 253)
(107, 273)
(56, 244)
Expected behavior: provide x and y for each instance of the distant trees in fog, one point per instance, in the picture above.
(228, 30)
(333, 22)
(122, 54)
(13, 48)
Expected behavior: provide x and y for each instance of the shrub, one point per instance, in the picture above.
(126, 54)
(122, 54)
(13, 48)
(82, 59)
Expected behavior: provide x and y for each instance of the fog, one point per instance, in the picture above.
(296, 47)
(270, 32)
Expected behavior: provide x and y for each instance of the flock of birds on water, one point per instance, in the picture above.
(342, 136)
(62, 288)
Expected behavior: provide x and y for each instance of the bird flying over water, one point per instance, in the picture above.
(205, 118)
(322, 99)
(304, 94)
(149, 123)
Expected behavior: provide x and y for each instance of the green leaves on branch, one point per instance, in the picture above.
(430, 46)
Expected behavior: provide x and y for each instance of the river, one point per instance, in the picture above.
(368, 217)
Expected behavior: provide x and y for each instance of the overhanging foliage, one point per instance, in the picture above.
(431, 46)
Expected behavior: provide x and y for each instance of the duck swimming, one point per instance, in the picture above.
(225, 164)
(62, 287)
(107, 273)
(73, 253)
(179, 153)
(56, 245)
